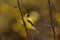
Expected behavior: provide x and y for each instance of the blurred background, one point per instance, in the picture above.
(10, 14)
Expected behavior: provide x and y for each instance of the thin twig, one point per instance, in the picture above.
(21, 10)
(52, 23)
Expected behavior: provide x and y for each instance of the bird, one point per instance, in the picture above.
(29, 19)
(28, 22)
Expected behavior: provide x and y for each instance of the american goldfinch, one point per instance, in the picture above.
(28, 22)
(31, 19)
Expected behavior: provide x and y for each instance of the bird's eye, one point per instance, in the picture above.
(28, 15)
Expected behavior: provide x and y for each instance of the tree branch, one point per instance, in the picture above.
(52, 23)
(21, 10)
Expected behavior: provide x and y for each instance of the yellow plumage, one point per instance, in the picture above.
(19, 26)
(33, 17)
(28, 25)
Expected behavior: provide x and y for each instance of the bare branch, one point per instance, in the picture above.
(21, 10)
(52, 23)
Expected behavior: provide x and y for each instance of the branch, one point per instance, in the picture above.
(21, 10)
(52, 23)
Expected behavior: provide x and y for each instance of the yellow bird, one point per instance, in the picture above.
(29, 20)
